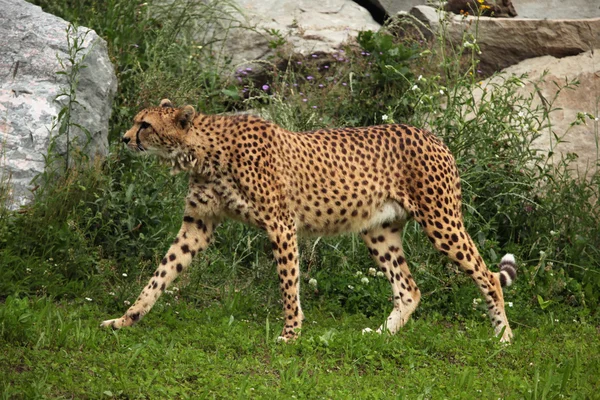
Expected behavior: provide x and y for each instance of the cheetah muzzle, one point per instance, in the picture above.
(368, 180)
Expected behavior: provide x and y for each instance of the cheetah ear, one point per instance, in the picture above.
(184, 116)
(166, 103)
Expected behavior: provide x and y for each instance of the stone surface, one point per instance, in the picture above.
(308, 26)
(535, 9)
(506, 41)
(31, 42)
(581, 139)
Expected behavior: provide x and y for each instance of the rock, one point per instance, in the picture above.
(583, 139)
(392, 7)
(30, 42)
(499, 9)
(505, 42)
(308, 26)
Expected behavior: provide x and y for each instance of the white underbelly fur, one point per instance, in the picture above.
(388, 212)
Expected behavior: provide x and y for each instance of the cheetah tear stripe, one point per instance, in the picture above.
(508, 270)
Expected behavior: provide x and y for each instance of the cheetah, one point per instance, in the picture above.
(367, 180)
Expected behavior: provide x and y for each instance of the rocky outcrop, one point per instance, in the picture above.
(534, 9)
(583, 139)
(505, 42)
(306, 26)
(31, 43)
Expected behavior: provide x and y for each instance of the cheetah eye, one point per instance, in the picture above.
(144, 125)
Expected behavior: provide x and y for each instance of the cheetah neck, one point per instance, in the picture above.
(193, 154)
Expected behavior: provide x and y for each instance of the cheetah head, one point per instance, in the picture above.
(162, 131)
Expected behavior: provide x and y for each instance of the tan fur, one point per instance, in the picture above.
(367, 180)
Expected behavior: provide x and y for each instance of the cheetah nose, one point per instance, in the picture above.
(125, 140)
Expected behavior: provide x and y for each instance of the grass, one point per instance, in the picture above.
(54, 349)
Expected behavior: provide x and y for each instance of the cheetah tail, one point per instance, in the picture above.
(508, 270)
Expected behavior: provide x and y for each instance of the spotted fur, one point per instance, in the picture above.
(326, 182)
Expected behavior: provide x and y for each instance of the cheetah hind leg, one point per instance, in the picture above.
(385, 246)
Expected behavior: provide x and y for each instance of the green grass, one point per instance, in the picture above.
(53, 349)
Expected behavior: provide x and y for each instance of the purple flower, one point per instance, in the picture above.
(298, 62)
(314, 56)
(326, 66)
(248, 69)
(310, 78)
(305, 100)
(314, 106)
(320, 85)
(344, 84)
(265, 87)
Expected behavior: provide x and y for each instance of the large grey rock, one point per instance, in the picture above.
(534, 9)
(308, 26)
(582, 139)
(507, 41)
(31, 42)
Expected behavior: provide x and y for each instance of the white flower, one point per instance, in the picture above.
(350, 287)
(372, 271)
(312, 282)
(384, 117)
(111, 294)
(441, 92)
(367, 330)
(415, 87)
(380, 274)
(420, 77)
(365, 280)
(88, 299)
(510, 303)
(127, 302)
(124, 274)
(476, 301)
(358, 273)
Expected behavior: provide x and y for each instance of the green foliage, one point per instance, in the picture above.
(88, 228)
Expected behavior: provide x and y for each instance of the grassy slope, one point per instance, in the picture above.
(55, 350)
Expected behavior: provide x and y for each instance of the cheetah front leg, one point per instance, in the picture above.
(285, 251)
(194, 236)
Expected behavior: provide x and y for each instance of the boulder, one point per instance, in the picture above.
(31, 44)
(582, 140)
(306, 26)
(507, 41)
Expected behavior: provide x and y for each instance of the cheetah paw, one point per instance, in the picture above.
(116, 323)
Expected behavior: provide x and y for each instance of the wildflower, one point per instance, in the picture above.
(380, 274)
(127, 302)
(310, 78)
(441, 92)
(373, 271)
(124, 274)
(420, 77)
(344, 84)
(298, 62)
(358, 273)
(321, 85)
(384, 117)
(305, 100)
(248, 69)
(367, 330)
(314, 106)
(314, 56)
(364, 280)
(111, 294)
(312, 282)
(326, 66)
(265, 87)
(350, 287)
(510, 303)
(415, 88)
(88, 299)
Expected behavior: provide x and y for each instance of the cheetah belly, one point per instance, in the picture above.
(388, 212)
(366, 218)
